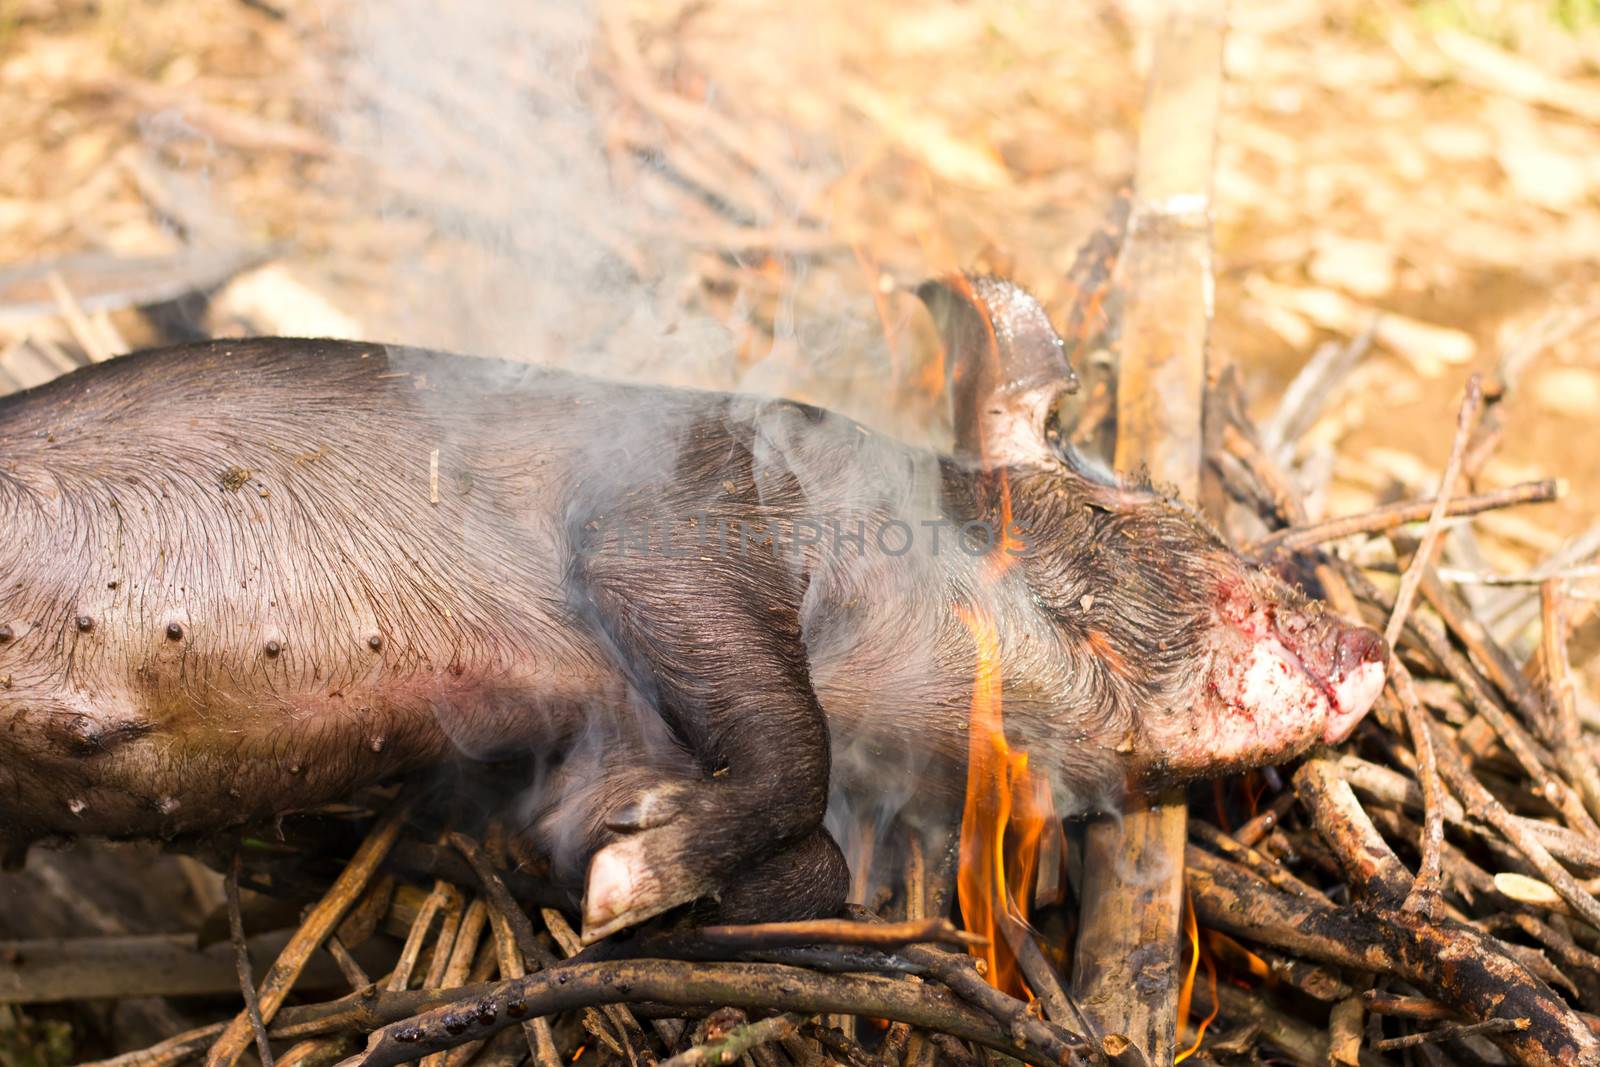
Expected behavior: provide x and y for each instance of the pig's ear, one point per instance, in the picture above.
(1004, 364)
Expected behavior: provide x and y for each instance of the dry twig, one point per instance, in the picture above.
(317, 926)
(763, 986)
(1471, 407)
(1391, 516)
(241, 957)
(839, 932)
(1424, 895)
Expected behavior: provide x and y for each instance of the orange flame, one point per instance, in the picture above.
(1004, 816)
(1236, 957)
(1006, 811)
(1216, 1006)
(1197, 956)
(1191, 928)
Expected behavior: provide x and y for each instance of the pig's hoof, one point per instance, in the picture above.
(608, 898)
(625, 888)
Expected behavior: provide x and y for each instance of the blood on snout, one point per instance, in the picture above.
(1304, 673)
(1265, 701)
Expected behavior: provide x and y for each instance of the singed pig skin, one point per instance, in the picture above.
(233, 586)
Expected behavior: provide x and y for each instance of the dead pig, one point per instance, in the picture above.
(232, 587)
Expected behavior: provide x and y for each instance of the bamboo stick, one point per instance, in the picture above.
(1126, 972)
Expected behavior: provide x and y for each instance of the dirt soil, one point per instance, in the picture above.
(1438, 163)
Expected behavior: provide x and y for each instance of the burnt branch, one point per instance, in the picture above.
(838, 932)
(1481, 982)
(751, 986)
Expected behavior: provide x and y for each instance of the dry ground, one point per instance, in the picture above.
(456, 175)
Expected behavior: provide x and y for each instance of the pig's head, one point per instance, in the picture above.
(1168, 647)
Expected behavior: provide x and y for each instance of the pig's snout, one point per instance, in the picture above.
(1284, 675)
(1347, 661)
(1356, 679)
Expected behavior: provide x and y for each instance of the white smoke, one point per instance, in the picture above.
(505, 158)
(490, 141)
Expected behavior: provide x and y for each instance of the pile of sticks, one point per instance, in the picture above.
(1474, 768)
(484, 974)
(1425, 893)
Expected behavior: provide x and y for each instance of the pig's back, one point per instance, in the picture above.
(235, 584)
(241, 587)
(295, 467)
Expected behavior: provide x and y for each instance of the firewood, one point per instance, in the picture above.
(1296, 539)
(768, 986)
(1126, 971)
(322, 921)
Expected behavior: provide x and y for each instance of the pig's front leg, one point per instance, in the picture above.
(715, 646)
(576, 807)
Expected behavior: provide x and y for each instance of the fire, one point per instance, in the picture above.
(1004, 817)
(1238, 959)
(1216, 1006)
(1207, 951)
(1006, 810)
(1191, 929)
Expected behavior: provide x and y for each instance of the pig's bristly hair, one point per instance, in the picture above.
(277, 540)
(1131, 582)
